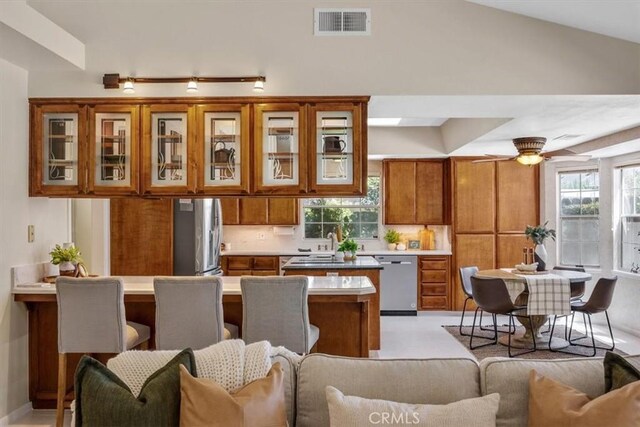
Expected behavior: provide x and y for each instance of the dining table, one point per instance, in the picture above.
(542, 294)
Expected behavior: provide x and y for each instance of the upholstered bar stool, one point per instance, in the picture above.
(91, 319)
(275, 309)
(189, 313)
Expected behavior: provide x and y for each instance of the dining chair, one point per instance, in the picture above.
(275, 309)
(189, 313)
(577, 288)
(491, 296)
(91, 319)
(598, 302)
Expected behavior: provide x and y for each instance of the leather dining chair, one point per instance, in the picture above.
(491, 296)
(598, 302)
(577, 288)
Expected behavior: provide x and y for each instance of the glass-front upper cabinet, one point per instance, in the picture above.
(223, 149)
(113, 150)
(336, 164)
(280, 149)
(168, 149)
(58, 147)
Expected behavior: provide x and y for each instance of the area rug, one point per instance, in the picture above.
(542, 352)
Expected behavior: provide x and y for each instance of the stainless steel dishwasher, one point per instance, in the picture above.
(398, 285)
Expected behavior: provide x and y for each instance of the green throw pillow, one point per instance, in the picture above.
(102, 399)
(618, 372)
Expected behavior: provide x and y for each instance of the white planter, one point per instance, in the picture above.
(391, 246)
(401, 247)
(540, 256)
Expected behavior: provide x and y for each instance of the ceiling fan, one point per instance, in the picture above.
(530, 153)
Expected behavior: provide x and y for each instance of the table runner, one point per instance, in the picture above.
(549, 294)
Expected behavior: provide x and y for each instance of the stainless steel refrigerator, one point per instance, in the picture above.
(197, 233)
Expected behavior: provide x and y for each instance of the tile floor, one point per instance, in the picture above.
(402, 337)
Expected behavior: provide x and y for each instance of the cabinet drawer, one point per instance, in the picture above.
(264, 272)
(238, 273)
(434, 289)
(433, 264)
(239, 263)
(265, 263)
(439, 303)
(433, 276)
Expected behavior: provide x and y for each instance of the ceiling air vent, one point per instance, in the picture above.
(342, 22)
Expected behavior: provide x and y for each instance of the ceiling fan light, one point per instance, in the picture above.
(128, 87)
(529, 159)
(192, 86)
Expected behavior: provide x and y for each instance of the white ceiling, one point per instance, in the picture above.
(614, 18)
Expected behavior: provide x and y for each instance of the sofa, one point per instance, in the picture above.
(434, 381)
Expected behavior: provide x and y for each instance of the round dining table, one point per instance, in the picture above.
(525, 340)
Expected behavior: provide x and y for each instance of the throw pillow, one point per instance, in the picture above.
(618, 372)
(555, 404)
(104, 399)
(354, 411)
(259, 403)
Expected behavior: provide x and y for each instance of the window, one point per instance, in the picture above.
(359, 216)
(579, 213)
(630, 219)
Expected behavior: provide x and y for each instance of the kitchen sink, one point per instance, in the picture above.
(317, 261)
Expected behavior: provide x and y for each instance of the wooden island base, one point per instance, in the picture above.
(343, 321)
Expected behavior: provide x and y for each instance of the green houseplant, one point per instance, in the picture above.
(349, 247)
(538, 235)
(392, 237)
(65, 258)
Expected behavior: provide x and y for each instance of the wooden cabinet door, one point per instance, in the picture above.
(510, 249)
(518, 196)
(474, 197)
(430, 193)
(254, 211)
(58, 145)
(114, 145)
(283, 212)
(399, 192)
(471, 249)
(337, 162)
(222, 149)
(168, 149)
(280, 149)
(230, 211)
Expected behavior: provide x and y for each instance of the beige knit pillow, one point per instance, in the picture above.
(353, 411)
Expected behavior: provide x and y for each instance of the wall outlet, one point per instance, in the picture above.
(31, 233)
(261, 235)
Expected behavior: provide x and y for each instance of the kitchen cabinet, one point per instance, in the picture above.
(233, 265)
(336, 164)
(58, 150)
(509, 249)
(433, 283)
(469, 250)
(113, 150)
(260, 211)
(517, 195)
(416, 192)
(223, 150)
(475, 197)
(168, 150)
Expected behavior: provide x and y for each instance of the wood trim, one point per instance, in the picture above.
(202, 100)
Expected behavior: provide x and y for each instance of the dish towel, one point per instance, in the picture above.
(548, 295)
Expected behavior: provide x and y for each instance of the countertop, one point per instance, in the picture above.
(295, 252)
(305, 263)
(143, 285)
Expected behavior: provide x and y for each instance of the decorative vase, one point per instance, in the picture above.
(67, 268)
(350, 256)
(339, 256)
(540, 256)
(391, 246)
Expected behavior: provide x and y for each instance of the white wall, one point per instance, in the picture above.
(624, 311)
(17, 211)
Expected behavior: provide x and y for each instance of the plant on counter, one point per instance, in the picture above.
(392, 237)
(66, 258)
(349, 247)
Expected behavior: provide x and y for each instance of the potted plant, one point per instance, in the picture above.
(349, 247)
(538, 235)
(66, 258)
(392, 237)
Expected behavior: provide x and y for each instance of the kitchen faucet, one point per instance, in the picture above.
(334, 240)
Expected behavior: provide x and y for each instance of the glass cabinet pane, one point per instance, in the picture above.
(334, 147)
(222, 150)
(280, 148)
(60, 144)
(169, 149)
(113, 149)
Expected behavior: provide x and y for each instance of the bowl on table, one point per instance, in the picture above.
(527, 267)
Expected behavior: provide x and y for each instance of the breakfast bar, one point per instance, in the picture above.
(339, 306)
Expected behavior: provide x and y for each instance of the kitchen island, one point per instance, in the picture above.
(339, 306)
(328, 266)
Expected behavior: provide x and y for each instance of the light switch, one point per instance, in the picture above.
(31, 233)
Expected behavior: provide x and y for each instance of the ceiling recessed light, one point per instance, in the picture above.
(376, 121)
